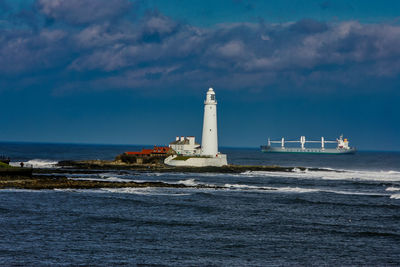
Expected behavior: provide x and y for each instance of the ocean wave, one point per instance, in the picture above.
(247, 187)
(37, 163)
(109, 176)
(391, 176)
(229, 187)
(395, 196)
(70, 190)
(188, 182)
(146, 191)
(185, 174)
(17, 190)
(128, 190)
(299, 190)
(191, 182)
(105, 179)
(393, 189)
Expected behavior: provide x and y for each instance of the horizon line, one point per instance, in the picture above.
(148, 145)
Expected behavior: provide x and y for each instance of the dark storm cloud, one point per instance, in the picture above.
(156, 51)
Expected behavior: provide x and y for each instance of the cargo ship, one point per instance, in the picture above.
(341, 148)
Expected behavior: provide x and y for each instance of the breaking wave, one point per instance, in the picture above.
(247, 187)
(146, 191)
(37, 163)
(393, 189)
(105, 179)
(395, 196)
(391, 176)
(300, 190)
(188, 182)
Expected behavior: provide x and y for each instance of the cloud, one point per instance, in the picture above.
(309, 26)
(100, 51)
(26, 51)
(83, 11)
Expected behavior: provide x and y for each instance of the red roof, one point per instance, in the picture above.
(155, 150)
(161, 149)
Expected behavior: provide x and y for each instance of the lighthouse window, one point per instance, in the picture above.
(212, 97)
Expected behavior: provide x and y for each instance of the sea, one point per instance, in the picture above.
(345, 215)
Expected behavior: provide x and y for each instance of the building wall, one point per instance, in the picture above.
(187, 149)
(218, 161)
(190, 148)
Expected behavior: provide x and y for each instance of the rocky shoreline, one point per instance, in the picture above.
(42, 183)
(118, 165)
(23, 178)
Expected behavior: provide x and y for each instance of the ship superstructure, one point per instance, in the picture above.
(341, 148)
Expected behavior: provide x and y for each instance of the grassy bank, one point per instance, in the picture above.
(4, 165)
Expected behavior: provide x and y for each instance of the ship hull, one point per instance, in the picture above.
(332, 151)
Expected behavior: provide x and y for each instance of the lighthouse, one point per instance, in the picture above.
(188, 153)
(209, 141)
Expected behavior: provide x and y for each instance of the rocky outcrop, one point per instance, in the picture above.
(118, 165)
(15, 172)
(40, 183)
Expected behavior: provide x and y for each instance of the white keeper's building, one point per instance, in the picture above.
(185, 146)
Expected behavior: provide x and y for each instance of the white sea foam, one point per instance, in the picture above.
(395, 196)
(108, 175)
(247, 187)
(236, 187)
(116, 179)
(37, 163)
(280, 189)
(184, 174)
(145, 191)
(393, 176)
(70, 190)
(342, 192)
(298, 190)
(127, 190)
(106, 179)
(393, 189)
(102, 177)
(16, 190)
(188, 182)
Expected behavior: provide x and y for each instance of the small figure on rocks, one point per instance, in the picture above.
(22, 164)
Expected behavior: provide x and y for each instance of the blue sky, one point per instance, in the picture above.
(136, 72)
(208, 12)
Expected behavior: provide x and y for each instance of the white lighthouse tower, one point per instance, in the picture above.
(208, 155)
(209, 141)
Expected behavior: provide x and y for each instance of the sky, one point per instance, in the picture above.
(136, 71)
